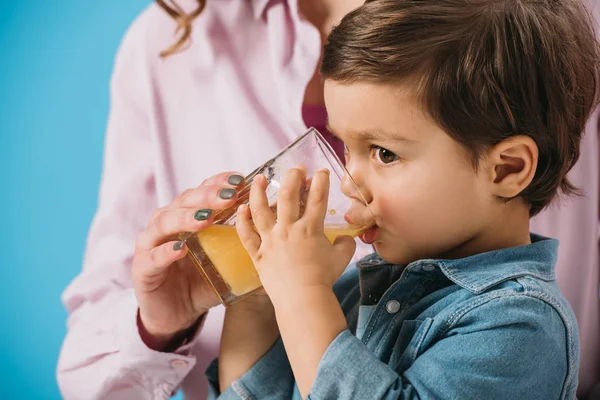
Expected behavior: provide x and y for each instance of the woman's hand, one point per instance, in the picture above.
(171, 293)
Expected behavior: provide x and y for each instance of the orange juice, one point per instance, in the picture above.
(224, 249)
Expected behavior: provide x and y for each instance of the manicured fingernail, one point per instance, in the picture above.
(178, 246)
(235, 179)
(202, 215)
(227, 194)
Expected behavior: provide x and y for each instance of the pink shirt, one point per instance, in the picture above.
(229, 102)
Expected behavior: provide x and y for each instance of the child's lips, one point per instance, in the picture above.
(358, 220)
(349, 219)
(370, 235)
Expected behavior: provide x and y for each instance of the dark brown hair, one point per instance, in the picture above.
(484, 70)
(184, 22)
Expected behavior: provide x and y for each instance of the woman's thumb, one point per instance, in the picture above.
(344, 248)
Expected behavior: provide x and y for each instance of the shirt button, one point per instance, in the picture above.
(392, 306)
(428, 268)
(179, 364)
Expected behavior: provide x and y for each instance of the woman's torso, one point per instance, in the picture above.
(228, 102)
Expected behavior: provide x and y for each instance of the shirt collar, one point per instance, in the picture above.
(482, 271)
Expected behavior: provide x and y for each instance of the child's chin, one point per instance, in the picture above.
(391, 254)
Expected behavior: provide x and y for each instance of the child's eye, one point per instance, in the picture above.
(384, 155)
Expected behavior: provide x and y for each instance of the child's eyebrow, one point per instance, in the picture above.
(372, 135)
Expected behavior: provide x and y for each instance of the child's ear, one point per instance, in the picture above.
(511, 165)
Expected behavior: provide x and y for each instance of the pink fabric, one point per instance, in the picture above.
(229, 102)
(576, 223)
(316, 115)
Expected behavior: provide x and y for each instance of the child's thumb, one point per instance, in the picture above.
(343, 248)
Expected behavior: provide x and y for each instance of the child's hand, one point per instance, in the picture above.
(290, 251)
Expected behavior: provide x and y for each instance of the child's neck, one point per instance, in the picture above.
(509, 227)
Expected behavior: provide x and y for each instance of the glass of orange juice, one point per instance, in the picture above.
(217, 251)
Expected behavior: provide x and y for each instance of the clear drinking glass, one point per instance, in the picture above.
(217, 251)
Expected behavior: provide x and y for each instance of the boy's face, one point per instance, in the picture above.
(427, 197)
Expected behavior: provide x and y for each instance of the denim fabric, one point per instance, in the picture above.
(490, 326)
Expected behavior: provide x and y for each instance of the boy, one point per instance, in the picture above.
(461, 120)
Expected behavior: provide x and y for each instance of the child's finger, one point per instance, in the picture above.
(263, 217)
(248, 236)
(288, 197)
(316, 204)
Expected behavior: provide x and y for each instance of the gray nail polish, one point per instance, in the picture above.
(178, 246)
(235, 179)
(227, 194)
(202, 215)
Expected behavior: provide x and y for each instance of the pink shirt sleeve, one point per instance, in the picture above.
(102, 353)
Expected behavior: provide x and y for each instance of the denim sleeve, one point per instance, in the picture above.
(510, 347)
(271, 378)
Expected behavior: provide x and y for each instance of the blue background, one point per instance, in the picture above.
(56, 59)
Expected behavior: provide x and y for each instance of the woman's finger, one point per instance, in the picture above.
(248, 236)
(148, 264)
(215, 197)
(316, 203)
(344, 248)
(263, 217)
(226, 180)
(231, 178)
(289, 197)
(171, 222)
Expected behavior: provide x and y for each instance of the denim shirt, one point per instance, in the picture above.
(490, 326)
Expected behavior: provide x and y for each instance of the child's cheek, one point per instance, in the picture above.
(408, 208)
